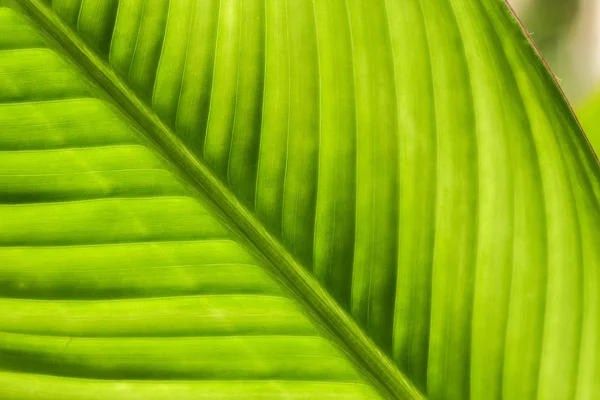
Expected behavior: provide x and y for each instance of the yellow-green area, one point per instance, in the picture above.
(409, 169)
(589, 117)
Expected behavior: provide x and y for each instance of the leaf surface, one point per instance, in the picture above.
(416, 157)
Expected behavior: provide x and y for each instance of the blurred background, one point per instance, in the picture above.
(567, 33)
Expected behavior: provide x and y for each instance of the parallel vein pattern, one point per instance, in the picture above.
(415, 155)
(116, 281)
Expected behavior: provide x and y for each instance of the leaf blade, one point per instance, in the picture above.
(554, 199)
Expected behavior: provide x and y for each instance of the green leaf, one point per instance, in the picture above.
(415, 157)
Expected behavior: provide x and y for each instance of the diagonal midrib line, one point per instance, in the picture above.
(380, 369)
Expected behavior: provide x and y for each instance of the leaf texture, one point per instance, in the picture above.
(117, 280)
(415, 156)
